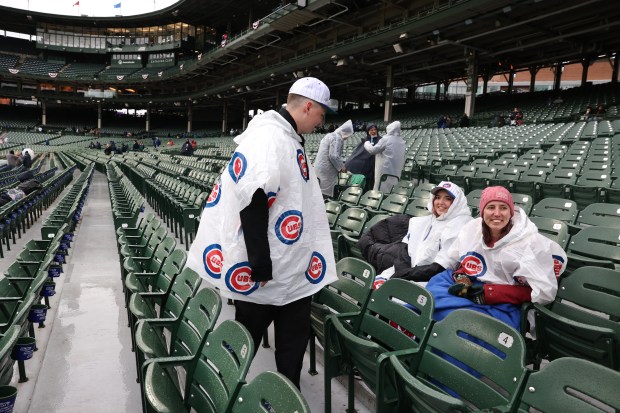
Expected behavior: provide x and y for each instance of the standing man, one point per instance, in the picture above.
(329, 160)
(263, 238)
(390, 158)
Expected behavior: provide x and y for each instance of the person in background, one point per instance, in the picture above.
(136, 145)
(361, 161)
(328, 161)
(390, 158)
(186, 149)
(26, 160)
(464, 122)
(12, 159)
(263, 238)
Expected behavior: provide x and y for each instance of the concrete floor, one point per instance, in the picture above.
(84, 359)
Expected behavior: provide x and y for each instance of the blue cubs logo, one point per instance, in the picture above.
(213, 259)
(558, 263)
(316, 268)
(303, 164)
(289, 227)
(271, 198)
(237, 166)
(215, 195)
(239, 279)
(473, 264)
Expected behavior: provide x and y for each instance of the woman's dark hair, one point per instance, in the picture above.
(486, 232)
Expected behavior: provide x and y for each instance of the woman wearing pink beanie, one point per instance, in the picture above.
(497, 262)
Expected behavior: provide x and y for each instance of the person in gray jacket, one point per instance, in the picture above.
(329, 161)
(390, 157)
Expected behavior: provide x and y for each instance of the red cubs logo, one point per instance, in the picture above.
(237, 166)
(316, 268)
(213, 259)
(473, 264)
(379, 281)
(303, 164)
(239, 279)
(402, 330)
(214, 197)
(271, 198)
(558, 263)
(289, 227)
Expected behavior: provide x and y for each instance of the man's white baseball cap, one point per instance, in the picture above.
(314, 89)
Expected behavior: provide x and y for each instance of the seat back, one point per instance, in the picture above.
(351, 221)
(477, 357)
(404, 187)
(196, 322)
(6, 361)
(556, 208)
(473, 201)
(418, 207)
(269, 392)
(372, 221)
(600, 214)
(394, 204)
(553, 229)
(171, 268)
(525, 201)
(582, 321)
(183, 288)
(348, 294)
(423, 191)
(332, 208)
(371, 199)
(597, 246)
(351, 195)
(220, 369)
(164, 249)
(562, 385)
(398, 317)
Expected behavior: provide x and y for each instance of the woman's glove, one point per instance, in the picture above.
(474, 293)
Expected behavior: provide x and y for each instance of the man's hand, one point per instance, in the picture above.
(474, 293)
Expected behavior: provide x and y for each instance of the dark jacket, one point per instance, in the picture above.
(26, 160)
(362, 162)
(382, 244)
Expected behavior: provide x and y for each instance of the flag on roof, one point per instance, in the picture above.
(117, 6)
(77, 3)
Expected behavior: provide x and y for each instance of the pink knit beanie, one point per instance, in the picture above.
(497, 193)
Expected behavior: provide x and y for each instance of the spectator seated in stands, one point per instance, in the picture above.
(600, 112)
(496, 263)
(403, 247)
(194, 144)
(464, 122)
(108, 149)
(516, 117)
(587, 115)
(98, 145)
(26, 160)
(12, 159)
(136, 145)
(170, 143)
(498, 121)
(186, 149)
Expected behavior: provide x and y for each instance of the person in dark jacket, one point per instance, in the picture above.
(362, 162)
(26, 160)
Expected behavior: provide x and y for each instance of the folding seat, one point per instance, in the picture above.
(557, 183)
(553, 229)
(556, 208)
(348, 294)
(582, 320)
(481, 178)
(444, 173)
(418, 207)
(403, 187)
(270, 389)
(594, 246)
(212, 379)
(600, 214)
(350, 222)
(429, 378)
(398, 317)
(529, 180)
(423, 191)
(332, 208)
(590, 188)
(462, 175)
(351, 195)
(562, 384)
(393, 204)
(371, 200)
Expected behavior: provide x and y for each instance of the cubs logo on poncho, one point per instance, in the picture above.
(316, 268)
(213, 260)
(289, 227)
(215, 195)
(473, 264)
(271, 198)
(303, 164)
(239, 279)
(237, 166)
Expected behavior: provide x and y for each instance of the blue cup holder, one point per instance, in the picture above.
(37, 314)
(24, 348)
(8, 394)
(59, 258)
(53, 272)
(49, 289)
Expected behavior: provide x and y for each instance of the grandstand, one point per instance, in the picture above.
(93, 261)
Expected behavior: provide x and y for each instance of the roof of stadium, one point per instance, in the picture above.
(353, 44)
